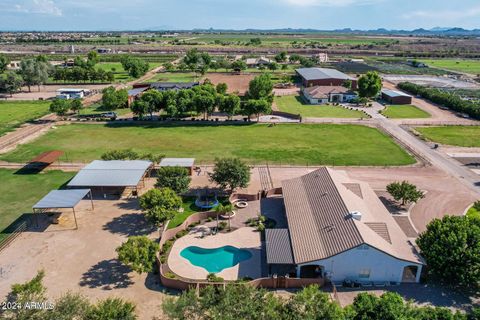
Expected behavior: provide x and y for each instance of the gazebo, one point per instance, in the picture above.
(62, 199)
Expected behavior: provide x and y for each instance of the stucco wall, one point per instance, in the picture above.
(349, 264)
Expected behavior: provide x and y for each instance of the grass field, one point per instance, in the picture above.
(189, 208)
(97, 108)
(462, 136)
(118, 71)
(404, 112)
(19, 192)
(467, 66)
(295, 105)
(174, 77)
(255, 143)
(14, 113)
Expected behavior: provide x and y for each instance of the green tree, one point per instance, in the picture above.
(311, 303)
(405, 192)
(369, 85)
(255, 41)
(230, 104)
(113, 99)
(281, 57)
(113, 308)
(154, 100)
(257, 107)
(347, 84)
(92, 58)
(69, 306)
(451, 248)
(238, 65)
(125, 154)
(273, 66)
(261, 87)
(4, 62)
(204, 103)
(33, 72)
(176, 178)
(230, 173)
(160, 205)
(11, 83)
(60, 107)
(222, 88)
(76, 105)
(135, 67)
(139, 253)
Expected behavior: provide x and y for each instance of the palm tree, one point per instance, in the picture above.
(228, 209)
(219, 210)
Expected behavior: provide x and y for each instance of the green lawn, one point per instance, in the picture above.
(462, 136)
(15, 113)
(256, 143)
(118, 71)
(97, 108)
(473, 213)
(404, 112)
(461, 65)
(189, 208)
(19, 192)
(295, 105)
(174, 77)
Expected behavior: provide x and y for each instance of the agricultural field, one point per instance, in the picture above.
(404, 112)
(460, 65)
(295, 105)
(254, 143)
(462, 136)
(15, 113)
(19, 192)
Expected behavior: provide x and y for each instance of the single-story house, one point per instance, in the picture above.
(338, 229)
(140, 88)
(324, 77)
(256, 62)
(72, 93)
(396, 97)
(325, 94)
(118, 177)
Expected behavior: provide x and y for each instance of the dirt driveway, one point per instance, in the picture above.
(84, 260)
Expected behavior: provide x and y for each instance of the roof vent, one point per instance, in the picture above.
(356, 215)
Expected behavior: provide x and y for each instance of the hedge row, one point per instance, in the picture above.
(450, 100)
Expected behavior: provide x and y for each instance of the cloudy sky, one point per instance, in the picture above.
(236, 14)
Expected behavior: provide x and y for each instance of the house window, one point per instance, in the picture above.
(362, 247)
(364, 273)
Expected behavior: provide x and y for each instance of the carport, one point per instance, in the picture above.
(62, 199)
(179, 162)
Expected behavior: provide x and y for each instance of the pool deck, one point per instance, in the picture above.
(244, 238)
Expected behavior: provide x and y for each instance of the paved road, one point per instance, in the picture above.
(424, 150)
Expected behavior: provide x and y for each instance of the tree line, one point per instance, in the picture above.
(447, 99)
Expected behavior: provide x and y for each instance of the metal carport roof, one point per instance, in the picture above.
(61, 199)
(279, 250)
(177, 162)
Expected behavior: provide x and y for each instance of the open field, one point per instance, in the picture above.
(174, 77)
(404, 112)
(14, 113)
(467, 66)
(295, 105)
(19, 192)
(462, 136)
(235, 83)
(118, 71)
(255, 143)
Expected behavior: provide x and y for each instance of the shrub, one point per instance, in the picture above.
(170, 275)
(212, 277)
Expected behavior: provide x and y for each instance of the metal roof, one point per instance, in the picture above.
(177, 162)
(136, 91)
(322, 73)
(115, 173)
(173, 85)
(61, 199)
(279, 250)
(394, 93)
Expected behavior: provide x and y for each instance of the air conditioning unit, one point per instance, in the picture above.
(356, 215)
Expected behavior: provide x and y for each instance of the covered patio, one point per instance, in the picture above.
(62, 199)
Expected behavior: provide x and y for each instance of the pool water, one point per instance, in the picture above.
(217, 259)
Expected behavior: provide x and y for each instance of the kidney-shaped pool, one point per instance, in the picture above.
(216, 259)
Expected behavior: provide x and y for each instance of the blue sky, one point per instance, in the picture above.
(236, 14)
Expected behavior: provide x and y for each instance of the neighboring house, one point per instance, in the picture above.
(338, 229)
(396, 97)
(13, 65)
(321, 57)
(257, 62)
(139, 89)
(324, 77)
(325, 94)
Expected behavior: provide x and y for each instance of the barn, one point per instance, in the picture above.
(396, 97)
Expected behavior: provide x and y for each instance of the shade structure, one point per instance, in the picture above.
(61, 199)
(114, 173)
(177, 162)
(279, 250)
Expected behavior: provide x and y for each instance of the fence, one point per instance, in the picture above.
(13, 235)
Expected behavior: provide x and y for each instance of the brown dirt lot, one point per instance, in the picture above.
(234, 82)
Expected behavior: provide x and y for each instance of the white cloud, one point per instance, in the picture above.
(329, 3)
(45, 7)
(446, 15)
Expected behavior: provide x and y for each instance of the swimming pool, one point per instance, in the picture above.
(216, 259)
